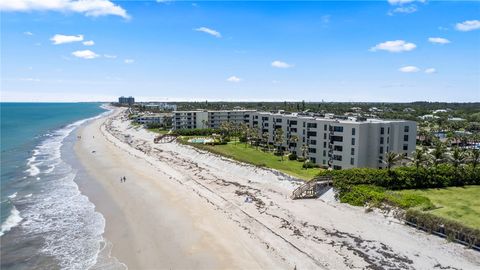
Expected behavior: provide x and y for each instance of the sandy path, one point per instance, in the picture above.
(309, 234)
(151, 223)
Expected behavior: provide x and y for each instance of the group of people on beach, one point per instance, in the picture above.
(123, 179)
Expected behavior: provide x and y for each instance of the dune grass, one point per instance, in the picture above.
(251, 155)
(461, 204)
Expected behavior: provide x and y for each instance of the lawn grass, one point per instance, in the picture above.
(461, 204)
(251, 155)
(158, 131)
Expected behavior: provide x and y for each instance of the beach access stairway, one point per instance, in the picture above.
(165, 138)
(313, 188)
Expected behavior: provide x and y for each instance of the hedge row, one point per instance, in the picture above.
(450, 229)
(444, 175)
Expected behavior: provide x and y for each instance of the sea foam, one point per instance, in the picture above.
(12, 221)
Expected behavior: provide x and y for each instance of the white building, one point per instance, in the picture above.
(156, 118)
(330, 142)
(209, 119)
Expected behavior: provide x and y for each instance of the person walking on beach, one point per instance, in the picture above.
(124, 179)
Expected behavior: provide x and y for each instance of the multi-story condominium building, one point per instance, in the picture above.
(332, 142)
(209, 119)
(339, 143)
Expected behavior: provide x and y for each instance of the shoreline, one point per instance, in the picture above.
(149, 224)
(185, 191)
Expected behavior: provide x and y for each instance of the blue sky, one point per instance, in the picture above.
(396, 50)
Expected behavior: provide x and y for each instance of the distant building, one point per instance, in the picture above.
(161, 106)
(428, 117)
(440, 111)
(408, 110)
(126, 100)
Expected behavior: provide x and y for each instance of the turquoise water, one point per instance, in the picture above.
(45, 222)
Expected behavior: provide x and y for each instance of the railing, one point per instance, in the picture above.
(311, 188)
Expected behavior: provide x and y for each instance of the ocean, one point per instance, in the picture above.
(46, 223)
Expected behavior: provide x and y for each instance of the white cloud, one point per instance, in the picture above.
(85, 54)
(280, 64)
(110, 56)
(438, 40)
(28, 33)
(234, 79)
(407, 10)
(129, 61)
(394, 46)
(209, 31)
(402, 2)
(89, 43)
(92, 8)
(409, 69)
(468, 25)
(430, 70)
(61, 39)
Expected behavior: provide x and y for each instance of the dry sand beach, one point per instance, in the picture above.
(181, 208)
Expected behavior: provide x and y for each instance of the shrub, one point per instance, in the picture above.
(292, 156)
(360, 195)
(309, 164)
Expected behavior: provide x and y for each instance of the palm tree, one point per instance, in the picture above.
(293, 140)
(391, 159)
(437, 155)
(457, 157)
(279, 141)
(418, 158)
(304, 152)
(474, 157)
(265, 140)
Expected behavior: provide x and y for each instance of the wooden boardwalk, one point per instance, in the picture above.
(312, 189)
(165, 138)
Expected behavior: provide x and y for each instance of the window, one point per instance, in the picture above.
(293, 122)
(311, 133)
(293, 129)
(381, 140)
(313, 142)
(405, 147)
(352, 161)
(264, 118)
(325, 127)
(388, 130)
(324, 153)
(336, 167)
(337, 138)
(324, 144)
(278, 120)
(312, 125)
(353, 131)
(382, 130)
(338, 129)
(380, 159)
(314, 160)
(324, 136)
(338, 148)
(381, 150)
(406, 128)
(405, 138)
(337, 157)
(388, 139)
(324, 162)
(312, 150)
(265, 125)
(353, 141)
(352, 151)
